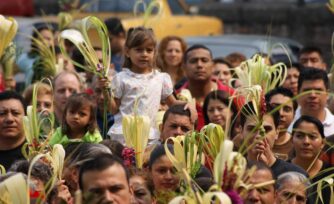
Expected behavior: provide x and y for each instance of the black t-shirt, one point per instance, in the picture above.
(280, 167)
(8, 157)
(325, 171)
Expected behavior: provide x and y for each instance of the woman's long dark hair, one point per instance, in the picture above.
(223, 97)
(309, 119)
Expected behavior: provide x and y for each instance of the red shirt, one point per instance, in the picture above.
(220, 86)
(2, 83)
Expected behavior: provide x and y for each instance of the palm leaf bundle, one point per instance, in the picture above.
(8, 61)
(136, 129)
(187, 155)
(79, 37)
(14, 190)
(330, 5)
(32, 124)
(64, 19)
(46, 65)
(8, 29)
(257, 79)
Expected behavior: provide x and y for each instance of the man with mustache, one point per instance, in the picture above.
(106, 178)
(12, 110)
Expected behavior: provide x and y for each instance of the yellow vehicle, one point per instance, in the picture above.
(164, 23)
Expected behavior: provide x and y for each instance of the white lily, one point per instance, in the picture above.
(80, 38)
(221, 159)
(72, 35)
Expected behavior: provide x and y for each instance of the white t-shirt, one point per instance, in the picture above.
(149, 89)
(328, 122)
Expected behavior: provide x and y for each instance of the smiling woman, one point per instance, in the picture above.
(170, 54)
(216, 110)
(308, 141)
(162, 171)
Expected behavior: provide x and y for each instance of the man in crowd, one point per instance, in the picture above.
(99, 100)
(65, 84)
(259, 147)
(259, 193)
(12, 110)
(282, 97)
(106, 177)
(176, 121)
(198, 67)
(312, 57)
(315, 83)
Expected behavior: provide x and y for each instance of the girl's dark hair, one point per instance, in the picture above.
(223, 97)
(115, 146)
(309, 119)
(74, 103)
(136, 37)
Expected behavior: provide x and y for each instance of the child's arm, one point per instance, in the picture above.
(112, 102)
(171, 100)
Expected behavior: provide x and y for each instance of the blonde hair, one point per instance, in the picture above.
(136, 37)
(161, 54)
(42, 89)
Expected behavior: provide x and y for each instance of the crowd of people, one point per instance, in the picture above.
(288, 152)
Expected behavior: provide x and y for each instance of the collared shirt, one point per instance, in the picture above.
(328, 122)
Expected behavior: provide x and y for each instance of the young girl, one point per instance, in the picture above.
(79, 122)
(140, 82)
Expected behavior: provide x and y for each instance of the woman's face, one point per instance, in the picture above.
(291, 81)
(173, 53)
(307, 141)
(164, 175)
(44, 103)
(222, 71)
(140, 191)
(47, 36)
(218, 112)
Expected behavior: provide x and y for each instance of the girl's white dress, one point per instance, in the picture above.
(149, 88)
